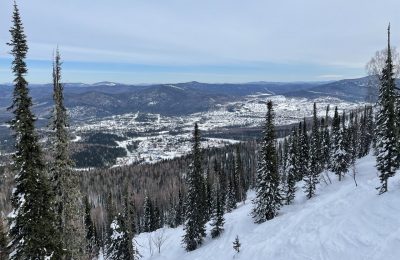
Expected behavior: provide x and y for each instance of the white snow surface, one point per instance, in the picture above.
(342, 222)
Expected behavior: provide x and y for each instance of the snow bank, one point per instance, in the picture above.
(342, 222)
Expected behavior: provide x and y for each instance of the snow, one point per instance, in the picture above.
(342, 222)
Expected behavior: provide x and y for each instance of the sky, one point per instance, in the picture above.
(168, 41)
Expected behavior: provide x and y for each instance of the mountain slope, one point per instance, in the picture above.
(342, 222)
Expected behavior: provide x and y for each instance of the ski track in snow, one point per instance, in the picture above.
(342, 222)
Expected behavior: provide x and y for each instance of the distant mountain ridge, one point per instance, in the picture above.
(109, 98)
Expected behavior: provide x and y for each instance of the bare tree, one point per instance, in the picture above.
(374, 70)
(159, 239)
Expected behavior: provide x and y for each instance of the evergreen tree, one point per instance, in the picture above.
(120, 245)
(69, 205)
(236, 244)
(148, 218)
(268, 198)
(230, 196)
(3, 241)
(386, 139)
(312, 177)
(292, 168)
(304, 151)
(33, 234)
(240, 178)
(217, 220)
(179, 210)
(194, 226)
(326, 141)
(339, 155)
(92, 248)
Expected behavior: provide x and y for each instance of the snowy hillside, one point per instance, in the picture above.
(342, 222)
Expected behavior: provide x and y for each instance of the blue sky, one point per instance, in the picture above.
(153, 41)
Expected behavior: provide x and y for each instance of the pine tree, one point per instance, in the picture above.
(326, 142)
(92, 248)
(268, 198)
(292, 168)
(217, 220)
(3, 241)
(194, 226)
(32, 220)
(236, 244)
(69, 205)
(386, 140)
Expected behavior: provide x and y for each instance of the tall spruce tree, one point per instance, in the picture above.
(268, 198)
(339, 154)
(386, 140)
(311, 179)
(194, 226)
(69, 206)
(3, 240)
(304, 150)
(292, 168)
(217, 220)
(32, 219)
(92, 248)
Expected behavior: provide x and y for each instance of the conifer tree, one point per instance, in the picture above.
(32, 219)
(3, 241)
(304, 150)
(326, 140)
(240, 178)
(217, 220)
(230, 196)
(311, 179)
(92, 248)
(236, 244)
(386, 141)
(120, 245)
(179, 210)
(194, 226)
(340, 149)
(268, 199)
(148, 217)
(292, 168)
(69, 204)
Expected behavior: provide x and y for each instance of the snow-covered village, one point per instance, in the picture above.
(215, 129)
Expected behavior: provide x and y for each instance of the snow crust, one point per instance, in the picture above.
(342, 222)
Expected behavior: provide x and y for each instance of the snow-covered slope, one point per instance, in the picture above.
(342, 222)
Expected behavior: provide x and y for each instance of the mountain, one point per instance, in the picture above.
(109, 98)
(343, 221)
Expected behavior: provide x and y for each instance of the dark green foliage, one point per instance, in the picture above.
(69, 205)
(179, 210)
(236, 244)
(97, 156)
(304, 150)
(217, 221)
(230, 196)
(3, 241)
(386, 132)
(92, 247)
(340, 149)
(292, 167)
(32, 222)
(268, 198)
(315, 165)
(195, 219)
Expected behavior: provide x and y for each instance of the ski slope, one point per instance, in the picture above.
(342, 222)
